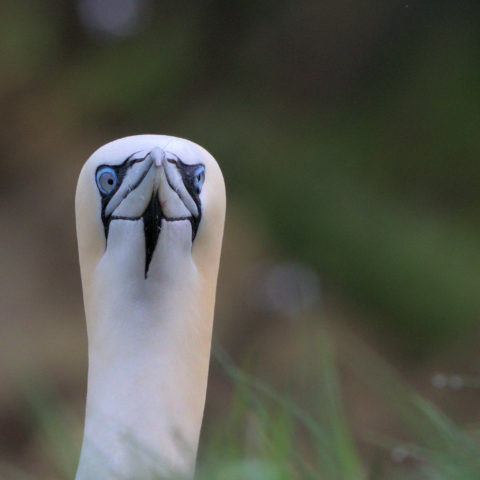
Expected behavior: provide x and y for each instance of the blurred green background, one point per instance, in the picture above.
(347, 132)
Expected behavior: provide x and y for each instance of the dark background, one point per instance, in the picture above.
(347, 132)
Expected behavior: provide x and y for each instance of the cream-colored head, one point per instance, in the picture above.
(150, 165)
(150, 212)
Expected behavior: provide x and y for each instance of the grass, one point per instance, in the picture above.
(268, 436)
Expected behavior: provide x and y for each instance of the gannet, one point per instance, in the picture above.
(150, 214)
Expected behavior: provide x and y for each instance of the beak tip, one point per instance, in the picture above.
(158, 156)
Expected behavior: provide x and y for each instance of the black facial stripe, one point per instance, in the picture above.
(119, 217)
(152, 224)
(137, 159)
(176, 219)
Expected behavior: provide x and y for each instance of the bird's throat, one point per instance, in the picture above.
(146, 389)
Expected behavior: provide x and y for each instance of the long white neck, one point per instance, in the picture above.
(149, 348)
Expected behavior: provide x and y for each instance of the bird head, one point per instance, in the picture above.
(149, 199)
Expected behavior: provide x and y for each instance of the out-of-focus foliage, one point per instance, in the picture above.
(350, 127)
(347, 134)
(267, 436)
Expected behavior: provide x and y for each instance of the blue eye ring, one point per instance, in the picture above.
(106, 178)
(199, 178)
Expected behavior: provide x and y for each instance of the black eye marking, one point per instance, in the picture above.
(199, 179)
(193, 177)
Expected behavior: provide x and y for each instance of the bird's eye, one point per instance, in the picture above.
(199, 178)
(106, 179)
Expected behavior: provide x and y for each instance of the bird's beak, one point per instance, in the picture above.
(135, 191)
(152, 173)
(154, 189)
(174, 198)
